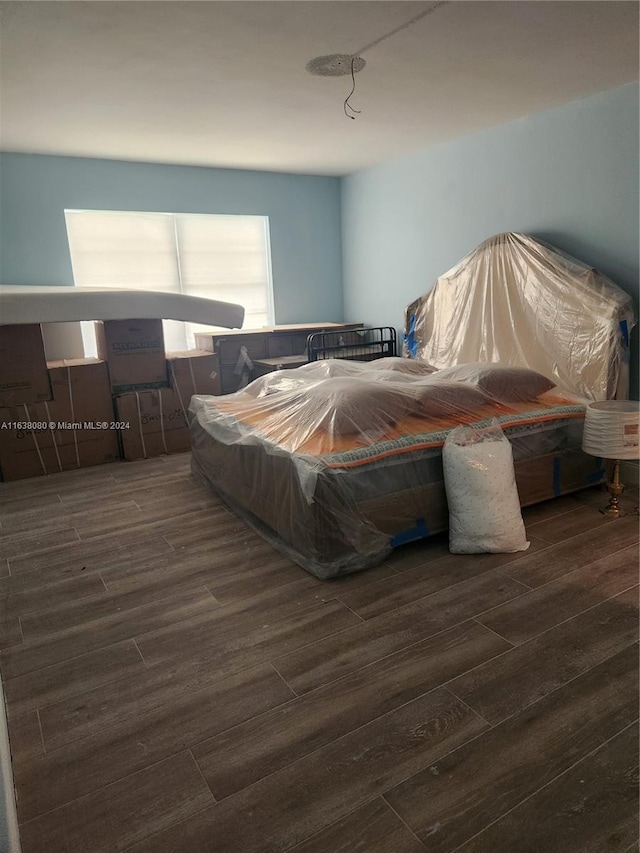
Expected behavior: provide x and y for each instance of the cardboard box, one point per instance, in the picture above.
(152, 423)
(81, 391)
(39, 454)
(134, 352)
(74, 430)
(193, 372)
(23, 367)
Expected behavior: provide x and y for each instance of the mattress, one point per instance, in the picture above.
(343, 509)
(26, 304)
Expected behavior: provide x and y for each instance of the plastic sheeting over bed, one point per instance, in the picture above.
(336, 462)
(332, 407)
(518, 301)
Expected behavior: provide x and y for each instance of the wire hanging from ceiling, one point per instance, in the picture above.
(341, 64)
(347, 105)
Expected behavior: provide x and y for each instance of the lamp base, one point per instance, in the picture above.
(612, 511)
(615, 487)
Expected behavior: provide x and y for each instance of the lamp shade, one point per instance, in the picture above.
(612, 429)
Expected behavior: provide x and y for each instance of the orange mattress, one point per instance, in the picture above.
(409, 433)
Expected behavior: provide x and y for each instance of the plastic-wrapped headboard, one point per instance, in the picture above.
(522, 302)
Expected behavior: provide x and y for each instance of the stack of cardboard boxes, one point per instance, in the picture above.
(152, 389)
(130, 403)
(45, 409)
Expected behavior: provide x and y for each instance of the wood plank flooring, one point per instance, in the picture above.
(175, 685)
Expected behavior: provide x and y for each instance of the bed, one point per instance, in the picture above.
(338, 463)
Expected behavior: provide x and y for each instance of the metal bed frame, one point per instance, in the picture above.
(356, 345)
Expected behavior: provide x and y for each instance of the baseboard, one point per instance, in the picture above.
(9, 836)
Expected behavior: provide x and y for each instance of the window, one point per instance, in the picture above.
(217, 257)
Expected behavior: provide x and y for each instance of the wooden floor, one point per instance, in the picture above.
(175, 684)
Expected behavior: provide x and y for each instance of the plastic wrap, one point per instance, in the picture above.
(479, 478)
(519, 301)
(329, 406)
(336, 463)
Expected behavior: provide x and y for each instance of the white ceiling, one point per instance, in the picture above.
(224, 83)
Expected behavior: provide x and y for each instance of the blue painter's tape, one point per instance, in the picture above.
(410, 338)
(624, 331)
(420, 531)
(556, 477)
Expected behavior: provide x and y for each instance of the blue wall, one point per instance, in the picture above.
(568, 176)
(303, 211)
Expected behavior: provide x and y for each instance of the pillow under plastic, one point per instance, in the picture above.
(349, 405)
(329, 367)
(393, 376)
(502, 382)
(435, 398)
(279, 381)
(401, 365)
(479, 479)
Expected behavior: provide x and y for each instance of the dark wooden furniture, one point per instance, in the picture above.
(271, 347)
(284, 362)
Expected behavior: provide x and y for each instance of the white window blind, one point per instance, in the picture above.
(213, 256)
